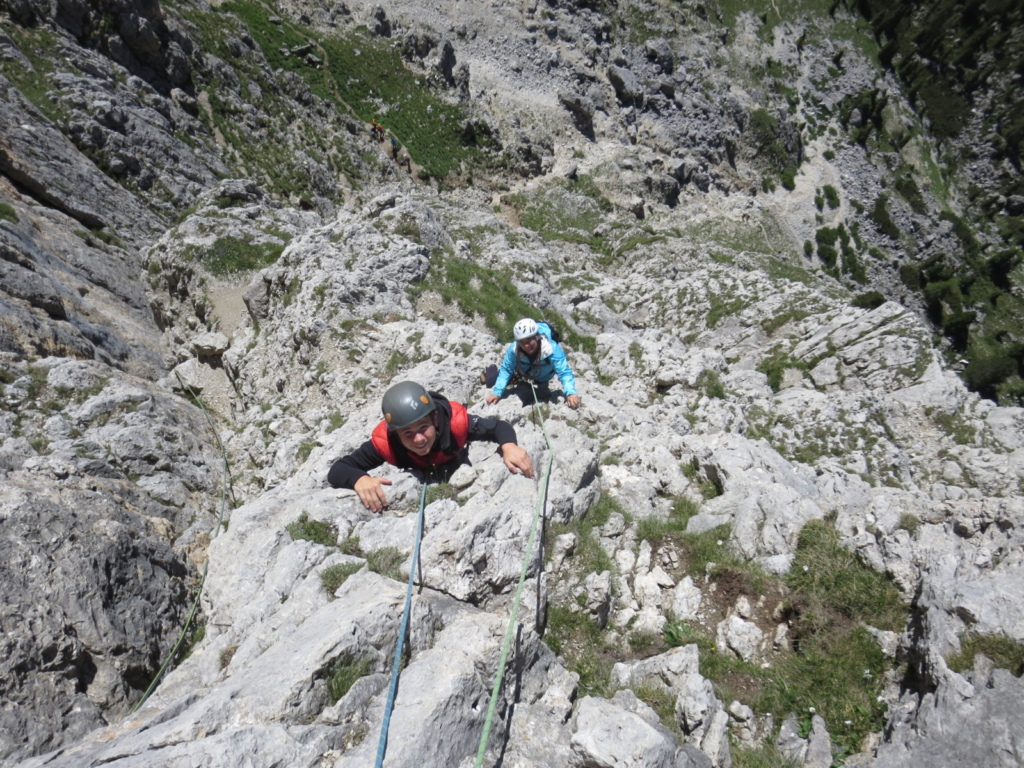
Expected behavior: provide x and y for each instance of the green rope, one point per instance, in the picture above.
(507, 643)
(217, 528)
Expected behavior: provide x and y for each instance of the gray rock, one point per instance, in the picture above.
(607, 736)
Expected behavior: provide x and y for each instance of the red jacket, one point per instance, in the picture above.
(452, 436)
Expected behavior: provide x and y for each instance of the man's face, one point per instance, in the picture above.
(419, 436)
(529, 345)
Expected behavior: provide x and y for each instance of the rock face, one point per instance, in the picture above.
(210, 272)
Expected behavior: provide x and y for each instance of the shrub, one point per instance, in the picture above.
(711, 383)
(831, 196)
(909, 523)
(910, 192)
(439, 491)
(789, 177)
(869, 300)
(957, 328)
(985, 374)
(910, 276)
(880, 215)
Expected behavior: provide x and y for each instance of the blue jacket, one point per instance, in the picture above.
(550, 361)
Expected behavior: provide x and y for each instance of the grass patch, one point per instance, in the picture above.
(772, 324)
(491, 295)
(775, 366)
(570, 632)
(229, 255)
(765, 755)
(386, 561)
(441, 491)
(577, 638)
(351, 546)
(590, 556)
(226, 655)
(367, 77)
(7, 213)
(835, 667)
(656, 531)
(316, 531)
(342, 673)
(569, 210)
(333, 576)
(1004, 652)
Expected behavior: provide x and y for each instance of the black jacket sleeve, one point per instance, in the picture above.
(345, 471)
(495, 430)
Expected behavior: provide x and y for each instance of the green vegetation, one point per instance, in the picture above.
(836, 667)
(576, 636)
(366, 76)
(342, 673)
(386, 561)
(972, 303)
(7, 213)
(570, 632)
(766, 755)
(774, 157)
(570, 210)
(947, 53)
(909, 191)
(589, 556)
(880, 215)
(908, 522)
(42, 48)
(226, 655)
(231, 254)
(869, 300)
(849, 263)
(333, 576)
(316, 531)
(774, 366)
(491, 295)
(711, 383)
(194, 638)
(1004, 652)
(441, 491)
(351, 546)
(772, 324)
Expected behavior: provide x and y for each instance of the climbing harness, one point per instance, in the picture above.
(506, 644)
(396, 667)
(225, 492)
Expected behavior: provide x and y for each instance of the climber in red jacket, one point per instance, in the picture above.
(421, 430)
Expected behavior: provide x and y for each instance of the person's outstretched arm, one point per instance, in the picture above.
(504, 434)
(351, 472)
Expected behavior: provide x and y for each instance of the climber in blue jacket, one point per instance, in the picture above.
(534, 355)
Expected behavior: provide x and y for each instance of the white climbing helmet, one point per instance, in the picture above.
(524, 329)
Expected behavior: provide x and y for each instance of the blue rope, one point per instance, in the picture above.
(396, 668)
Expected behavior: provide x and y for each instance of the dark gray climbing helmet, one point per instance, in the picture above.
(405, 403)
